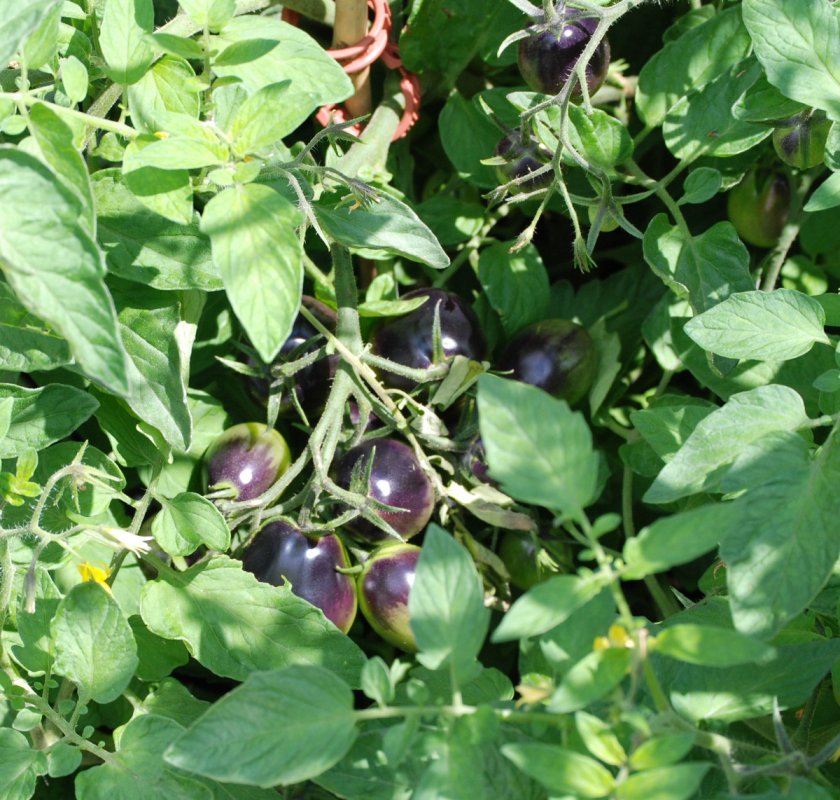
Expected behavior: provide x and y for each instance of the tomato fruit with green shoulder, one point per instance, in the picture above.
(759, 206)
(800, 140)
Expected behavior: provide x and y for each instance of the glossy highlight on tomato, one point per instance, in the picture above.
(409, 340)
(396, 479)
(384, 586)
(547, 58)
(759, 206)
(249, 457)
(282, 552)
(555, 355)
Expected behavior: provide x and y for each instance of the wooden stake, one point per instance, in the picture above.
(351, 25)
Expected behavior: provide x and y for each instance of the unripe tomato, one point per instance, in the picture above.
(526, 560)
(549, 55)
(250, 457)
(396, 479)
(759, 206)
(409, 340)
(281, 552)
(384, 586)
(556, 355)
(800, 140)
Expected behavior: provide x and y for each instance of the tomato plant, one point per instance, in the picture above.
(519, 341)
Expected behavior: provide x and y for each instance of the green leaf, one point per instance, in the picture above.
(35, 652)
(167, 192)
(515, 284)
(264, 288)
(666, 783)
(18, 22)
(157, 656)
(63, 759)
(798, 44)
(212, 14)
(690, 62)
(143, 246)
(55, 269)
(826, 195)
(678, 539)
(55, 141)
(173, 700)
(122, 37)
(599, 739)
(167, 86)
(467, 136)
(184, 143)
(446, 605)
(234, 625)
(42, 44)
(594, 676)
(710, 646)
(42, 416)
(705, 269)
(151, 323)
(137, 770)
(669, 420)
(718, 439)
(560, 770)
(94, 646)
(317, 79)
(264, 118)
(545, 606)
(702, 124)
(763, 102)
(783, 552)
(26, 344)
(19, 766)
(702, 184)
(778, 325)
(385, 227)
(662, 751)
(604, 140)
(282, 726)
(537, 448)
(74, 79)
(186, 522)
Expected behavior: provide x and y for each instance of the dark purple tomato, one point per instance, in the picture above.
(759, 206)
(250, 457)
(547, 57)
(396, 479)
(312, 383)
(800, 140)
(384, 585)
(526, 560)
(556, 355)
(522, 159)
(282, 552)
(409, 340)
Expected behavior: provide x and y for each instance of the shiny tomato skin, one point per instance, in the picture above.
(281, 552)
(384, 585)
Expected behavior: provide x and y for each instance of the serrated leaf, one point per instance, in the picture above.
(798, 44)
(186, 522)
(266, 117)
(122, 37)
(537, 448)
(235, 625)
(446, 605)
(779, 325)
(165, 87)
(718, 439)
(55, 269)
(42, 416)
(260, 259)
(94, 646)
(282, 726)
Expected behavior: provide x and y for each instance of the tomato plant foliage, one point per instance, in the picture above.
(586, 341)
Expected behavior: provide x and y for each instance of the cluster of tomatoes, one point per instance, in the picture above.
(556, 355)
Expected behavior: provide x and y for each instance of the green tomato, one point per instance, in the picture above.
(759, 206)
(526, 560)
(800, 140)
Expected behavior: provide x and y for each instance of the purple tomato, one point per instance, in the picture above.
(384, 586)
(282, 552)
